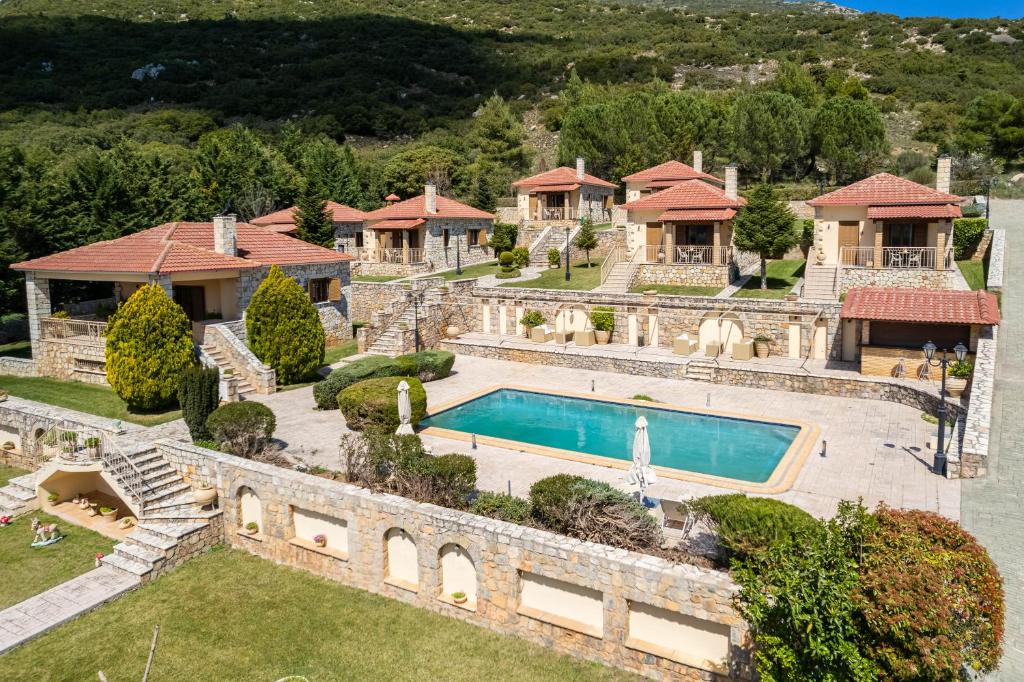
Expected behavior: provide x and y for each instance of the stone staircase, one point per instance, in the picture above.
(224, 364)
(619, 278)
(551, 238)
(390, 340)
(819, 283)
(152, 544)
(18, 496)
(700, 370)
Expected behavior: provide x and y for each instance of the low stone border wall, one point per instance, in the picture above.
(18, 367)
(996, 254)
(896, 277)
(224, 336)
(587, 600)
(975, 427)
(368, 298)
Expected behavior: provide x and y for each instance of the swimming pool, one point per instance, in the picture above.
(715, 445)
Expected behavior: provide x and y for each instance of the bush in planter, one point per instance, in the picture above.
(243, 429)
(603, 319)
(532, 318)
(961, 370)
(521, 256)
(373, 403)
(284, 329)
(502, 507)
(511, 274)
(199, 396)
(453, 480)
(326, 392)
(751, 524)
(554, 257)
(427, 365)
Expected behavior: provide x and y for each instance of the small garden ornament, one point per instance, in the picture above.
(46, 533)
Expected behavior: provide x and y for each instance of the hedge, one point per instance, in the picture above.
(967, 233)
(373, 403)
(427, 365)
(750, 524)
(326, 392)
(149, 345)
(243, 429)
(502, 507)
(453, 480)
(284, 329)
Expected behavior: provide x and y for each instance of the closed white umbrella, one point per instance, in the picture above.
(404, 410)
(641, 473)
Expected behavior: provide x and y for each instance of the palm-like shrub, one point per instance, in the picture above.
(284, 329)
(149, 345)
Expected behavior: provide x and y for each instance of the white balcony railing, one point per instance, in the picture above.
(688, 254)
(857, 256)
(400, 255)
(909, 257)
(88, 332)
(558, 213)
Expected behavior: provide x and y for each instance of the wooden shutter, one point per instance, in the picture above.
(483, 238)
(334, 289)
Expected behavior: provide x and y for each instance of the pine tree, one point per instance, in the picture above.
(585, 238)
(313, 220)
(765, 226)
(284, 329)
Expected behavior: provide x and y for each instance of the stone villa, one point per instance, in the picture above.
(348, 226)
(563, 195)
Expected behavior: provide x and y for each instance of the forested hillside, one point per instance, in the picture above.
(120, 114)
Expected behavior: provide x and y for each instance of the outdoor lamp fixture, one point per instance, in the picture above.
(959, 352)
(567, 229)
(458, 262)
(416, 319)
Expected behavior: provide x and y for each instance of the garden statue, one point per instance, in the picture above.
(5, 521)
(46, 533)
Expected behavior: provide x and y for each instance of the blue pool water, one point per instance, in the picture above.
(707, 444)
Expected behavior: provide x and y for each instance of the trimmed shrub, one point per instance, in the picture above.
(521, 256)
(746, 525)
(149, 345)
(550, 498)
(504, 237)
(453, 480)
(532, 318)
(284, 329)
(243, 429)
(502, 507)
(199, 396)
(967, 233)
(326, 392)
(373, 403)
(930, 597)
(511, 274)
(554, 257)
(427, 365)
(506, 260)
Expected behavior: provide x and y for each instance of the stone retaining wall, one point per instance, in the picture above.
(18, 367)
(66, 359)
(224, 337)
(687, 275)
(394, 547)
(372, 297)
(893, 277)
(975, 427)
(996, 254)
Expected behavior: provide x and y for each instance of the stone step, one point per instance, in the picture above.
(127, 565)
(173, 530)
(139, 553)
(191, 515)
(164, 492)
(26, 481)
(154, 541)
(18, 493)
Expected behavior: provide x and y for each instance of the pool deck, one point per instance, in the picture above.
(875, 448)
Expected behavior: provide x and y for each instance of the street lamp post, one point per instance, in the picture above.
(416, 319)
(960, 352)
(567, 229)
(458, 260)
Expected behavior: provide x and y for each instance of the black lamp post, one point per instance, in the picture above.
(416, 319)
(567, 276)
(458, 260)
(821, 183)
(960, 351)
(988, 195)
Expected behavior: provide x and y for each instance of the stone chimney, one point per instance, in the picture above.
(943, 173)
(430, 197)
(579, 168)
(698, 161)
(731, 184)
(225, 234)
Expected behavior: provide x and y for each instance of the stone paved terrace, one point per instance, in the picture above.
(875, 448)
(993, 507)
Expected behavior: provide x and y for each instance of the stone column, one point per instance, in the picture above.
(670, 243)
(717, 243)
(633, 330)
(878, 247)
(164, 281)
(405, 247)
(37, 291)
(865, 332)
(940, 248)
(502, 320)
(486, 317)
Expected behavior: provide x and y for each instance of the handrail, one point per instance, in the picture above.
(67, 441)
(613, 258)
(90, 332)
(539, 241)
(810, 345)
(124, 470)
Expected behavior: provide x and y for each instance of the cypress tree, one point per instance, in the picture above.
(765, 226)
(198, 395)
(284, 329)
(313, 220)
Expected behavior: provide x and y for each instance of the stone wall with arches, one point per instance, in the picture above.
(579, 598)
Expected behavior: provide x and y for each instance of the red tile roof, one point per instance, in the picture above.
(882, 190)
(563, 175)
(183, 247)
(340, 213)
(555, 188)
(687, 194)
(406, 224)
(915, 211)
(670, 171)
(929, 306)
(698, 214)
(415, 208)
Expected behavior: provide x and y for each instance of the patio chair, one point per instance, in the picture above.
(696, 257)
(684, 345)
(914, 259)
(684, 256)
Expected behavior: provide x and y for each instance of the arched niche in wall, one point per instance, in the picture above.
(458, 573)
(401, 564)
(250, 510)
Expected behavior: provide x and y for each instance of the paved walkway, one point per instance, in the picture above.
(45, 611)
(993, 507)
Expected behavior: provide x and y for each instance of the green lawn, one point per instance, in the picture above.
(470, 271)
(974, 272)
(335, 353)
(376, 278)
(601, 227)
(583, 278)
(18, 349)
(676, 289)
(227, 615)
(782, 276)
(7, 473)
(30, 570)
(90, 398)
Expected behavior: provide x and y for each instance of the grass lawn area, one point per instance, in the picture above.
(676, 289)
(7, 473)
(30, 570)
(601, 227)
(782, 276)
(470, 271)
(18, 349)
(583, 278)
(89, 398)
(974, 272)
(376, 278)
(227, 615)
(343, 350)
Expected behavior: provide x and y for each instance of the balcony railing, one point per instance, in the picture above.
(358, 252)
(89, 332)
(909, 257)
(558, 213)
(688, 254)
(399, 255)
(857, 256)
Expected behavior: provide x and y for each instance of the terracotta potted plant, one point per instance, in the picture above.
(959, 375)
(459, 597)
(126, 523)
(320, 540)
(205, 494)
(603, 320)
(762, 345)
(108, 513)
(252, 528)
(92, 445)
(531, 319)
(99, 559)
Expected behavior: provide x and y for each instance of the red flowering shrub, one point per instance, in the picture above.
(930, 597)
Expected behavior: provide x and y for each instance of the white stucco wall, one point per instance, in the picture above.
(401, 564)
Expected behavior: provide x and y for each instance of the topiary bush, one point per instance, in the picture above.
(502, 507)
(325, 392)
(427, 365)
(373, 403)
(930, 598)
(284, 329)
(521, 256)
(967, 233)
(453, 480)
(149, 345)
(199, 396)
(243, 429)
(506, 259)
(751, 524)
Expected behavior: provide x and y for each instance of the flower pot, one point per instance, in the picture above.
(205, 495)
(452, 331)
(955, 386)
(109, 515)
(320, 543)
(461, 599)
(602, 336)
(762, 349)
(126, 523)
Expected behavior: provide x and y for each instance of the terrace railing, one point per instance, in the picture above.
(909, 257)
(702, 255)
(398, 255)
(122, 468)
(559, 213)
(857, 256)
(88, 332)
(68, 442)
(614, 257)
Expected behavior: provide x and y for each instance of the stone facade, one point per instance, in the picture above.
(367, 268)
(367, 298)
(895, 277)
(499, 560)
(348, 236)
(976, 426)
(687, 275)
(68, 359)
(18, 367)
(443, 258)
